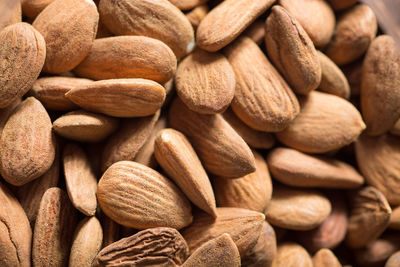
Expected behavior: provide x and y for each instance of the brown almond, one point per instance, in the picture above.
(252, 191)
(196, 15)
(220, 251)
(263, 100)
(119, 97)
(316, 17)
(187, 4)
(133, 57)
(370, 215)
(136, 196)
(395, 218)
(292, 53)
(354, 32)
(22, 45)
(325, 258)
(394, 260)
(15, 231)
(69, 28)
(128, 140)
(158, 19)
(161, 246)
(54, 229)
(205, 82)
(111, 230)
(396, 128)
(292, 255)
(27, 143)
(297, 209)
(32, 8)
(11, 13)
(380, 85)
(244, 227)
(86, 242)
(221, 150)
(6, 112)
(256, 31)
(295, 168)
(227, 21)
(179, 160)
(342, 4)
(325, 123)
(353, 73)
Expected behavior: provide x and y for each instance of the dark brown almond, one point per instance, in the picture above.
(292, 255)
(196, 15)
(32, 8)
(325, 258)
(342, 4)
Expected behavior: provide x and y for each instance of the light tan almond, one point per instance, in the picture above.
(220, 251)
(221, 150)
(297, 209)
(263, 100)
(292, 255)
(32, 8)
(292, 53)
(136, 196)
(196, 15)
(15, 231)
(295, 168)
(333, 80)
(316, 17)
(179, 160)
(395, 218)
(377, 158)
(133, 57)
(325, 123)
(354, 32)
(370, 215)
(161, 246)
(256, 31)
(394, 260)
(252, 191)
(380, 85)
(244, 227)
(51, 91)
(86, 242)
(80, 180)
(128, 140)
(158, 19)
(119, 97)
(27, 146)
(227, 21)
(187, 4)
(325, 258)
(342, 4)
(69, 28)
(6, 112)
(22, 45)
(54, 229)
(11, 13)
(205, 82)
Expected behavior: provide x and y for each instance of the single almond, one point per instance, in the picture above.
(6, 112)
(11, 13)
(32, 8)
(205, 82)
(256, 31)
(221, 150)
(263, 100)
(196, 15)
(119, 97)
(179, 160)
(69, 28)
(22, 45)
(292, 255)
(292, 53)
(325, 258)
(132, 57)
(136, 196)
(27, 145)
(394, 260)
(395, 218)
(325, 123)
(227, 21)
(353, 73)
(158, 19)
(342, 4)
(187, 4)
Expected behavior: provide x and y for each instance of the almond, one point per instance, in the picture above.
(325, 123)
(262, 99)
(187, 4)
(353, 73)
(158, 19)
(256, 31)
(119, 97)
(6, 112)
(131, 57)
(221, 150)
(136, 196)
(27, 144)
(227, 21)
(205, 82)
(69, 28)
(342, 4)
(396, 128)
(22, 45)
(110, 230)
(196, 15)
(394, 260)
(325, 258)
(32, 8)
(11, 13)
(395, 218)
(292, 255)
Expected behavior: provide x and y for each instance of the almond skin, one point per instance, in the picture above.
(27, 143)
(263, 100)
(187, 4)
(11, 13)
(342, 4)
(132, 57)
(69, 28)
(325, 258)
(205, 82)
(119, 97)
(156, 19)
(325, 123)
(32, 8)
(22, 45)
(394, 260)
(131, 194)
(292, 255)
(221, 150)
(227, 21)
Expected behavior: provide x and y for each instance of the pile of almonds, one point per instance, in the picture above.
(198, 133)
